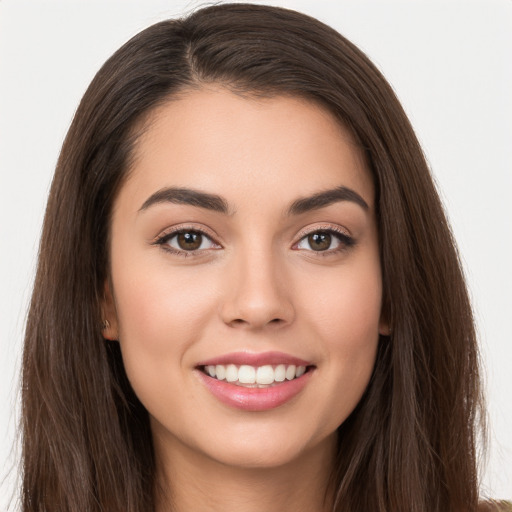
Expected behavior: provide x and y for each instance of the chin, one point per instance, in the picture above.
(267, 449)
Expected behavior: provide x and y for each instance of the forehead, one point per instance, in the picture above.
(274, 148)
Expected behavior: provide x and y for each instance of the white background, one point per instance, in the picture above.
(450, 63)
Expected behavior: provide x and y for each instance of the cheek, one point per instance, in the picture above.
(349, 327)
(346, 306)
(343, 320)
(157, 303)
(161, 313)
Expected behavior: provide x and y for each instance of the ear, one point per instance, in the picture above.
(384, 327)
(109, 326)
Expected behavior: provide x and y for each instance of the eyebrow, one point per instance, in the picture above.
(326, 198)
(187, 196)
(216, 203)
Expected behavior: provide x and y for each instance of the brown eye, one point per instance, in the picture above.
(320, 241)
(189, 241)
(329, 241)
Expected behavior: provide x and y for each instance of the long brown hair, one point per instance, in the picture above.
(410, 445)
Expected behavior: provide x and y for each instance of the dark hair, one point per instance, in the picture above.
(410, 444)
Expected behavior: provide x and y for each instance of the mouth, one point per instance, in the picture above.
(255, 382)
(248, 376)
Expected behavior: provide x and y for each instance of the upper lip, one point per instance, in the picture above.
(255, 359)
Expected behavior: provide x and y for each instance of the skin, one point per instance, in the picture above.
(257, 286)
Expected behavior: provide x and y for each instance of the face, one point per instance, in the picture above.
(245, 282)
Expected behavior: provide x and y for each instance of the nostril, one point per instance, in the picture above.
(240, 321)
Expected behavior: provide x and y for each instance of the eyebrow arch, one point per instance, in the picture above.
(217, 203)
(326, 198)
(188, 196)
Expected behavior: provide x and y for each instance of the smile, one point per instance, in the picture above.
(254, 377)
(255, 382)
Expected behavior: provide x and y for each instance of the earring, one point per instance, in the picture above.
(105, 325)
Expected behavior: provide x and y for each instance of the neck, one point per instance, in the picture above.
(191, 482)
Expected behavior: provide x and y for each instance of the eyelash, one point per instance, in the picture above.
(346, 241)
(165, 237)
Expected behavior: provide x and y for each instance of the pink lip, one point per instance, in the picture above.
(254, 399)
(255, 359)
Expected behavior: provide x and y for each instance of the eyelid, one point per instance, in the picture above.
(345, 238)
(323, 227)
(178, 228)
(168, 233)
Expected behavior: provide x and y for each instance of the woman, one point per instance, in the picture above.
(247, 294)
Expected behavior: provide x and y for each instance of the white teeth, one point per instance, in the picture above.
(246, 374)
(265, 375)
(231, 373)
(280, 373)
(220, 372)
(259, 376)
(290, 372)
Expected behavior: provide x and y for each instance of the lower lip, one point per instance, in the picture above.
(255, 399)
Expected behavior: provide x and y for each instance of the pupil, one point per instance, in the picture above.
(189, 241)
(319, 241)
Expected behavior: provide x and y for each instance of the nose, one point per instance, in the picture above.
(257, 294)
